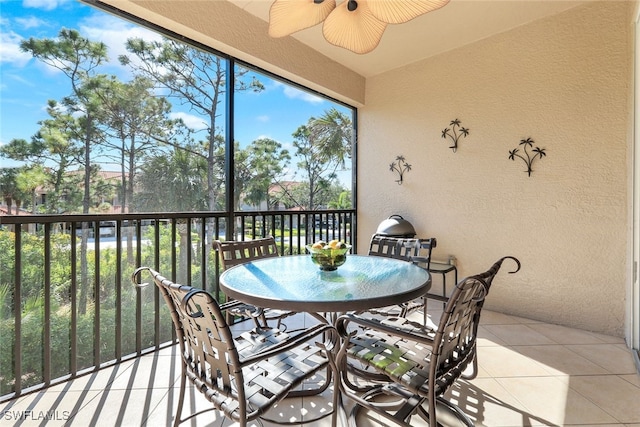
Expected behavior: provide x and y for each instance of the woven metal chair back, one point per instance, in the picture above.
(239, 252)
(413, 250)
(488, 275)
(458, 328)
(455, 339)
(229, 370)
(417, 251)
(393, 247)
(206, 342)
(232, 253)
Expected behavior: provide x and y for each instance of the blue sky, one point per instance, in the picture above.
(26, 83)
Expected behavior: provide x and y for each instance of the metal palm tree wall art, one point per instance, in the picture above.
(454, 133)
(526, 156)
(400, 166)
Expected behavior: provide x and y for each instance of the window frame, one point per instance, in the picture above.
(232, 62)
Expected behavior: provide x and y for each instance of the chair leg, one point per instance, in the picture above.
(283, 326)
(183, 380)
(457, 412)
(334, 373)
(474, 368)
(424, 311)
(338, 407)
(399, 410)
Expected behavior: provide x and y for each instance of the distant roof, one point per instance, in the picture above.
(283, 184)
(100, 173)
(4, 210)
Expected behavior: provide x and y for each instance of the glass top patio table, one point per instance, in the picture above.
(296, 283)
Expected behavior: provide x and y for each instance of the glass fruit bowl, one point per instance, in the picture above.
(329, 258)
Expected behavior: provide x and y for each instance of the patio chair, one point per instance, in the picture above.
(243, 375)
(232, 253)
(413, 363)
(417, 251)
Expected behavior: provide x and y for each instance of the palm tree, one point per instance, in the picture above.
(28, 180)
(343, 201)
(9, 188)
(334, 131)
(323, 145)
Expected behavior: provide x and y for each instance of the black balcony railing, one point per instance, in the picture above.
(67, 305)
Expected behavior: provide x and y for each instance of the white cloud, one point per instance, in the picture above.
(263, 118)
(30, 22)
(292, 92)
(19, 78)
(295, 93)
(114, 32)
(44, 4)
(193, 122)
(10, 49)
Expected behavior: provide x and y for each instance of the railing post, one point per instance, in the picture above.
(17, 311)
(46, 327)
(229, 158)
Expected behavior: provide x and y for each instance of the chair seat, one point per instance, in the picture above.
(266, 381)
(406, 361)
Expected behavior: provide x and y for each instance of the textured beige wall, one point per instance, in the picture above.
(564, 82)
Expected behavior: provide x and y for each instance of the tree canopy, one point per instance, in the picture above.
(164, 163)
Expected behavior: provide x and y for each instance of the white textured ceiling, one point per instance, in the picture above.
(458, 23)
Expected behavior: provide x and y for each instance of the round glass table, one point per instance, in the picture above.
(295, 283)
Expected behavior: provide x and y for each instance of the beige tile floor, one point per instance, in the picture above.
(531, 374)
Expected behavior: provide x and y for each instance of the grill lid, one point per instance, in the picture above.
(396, 226)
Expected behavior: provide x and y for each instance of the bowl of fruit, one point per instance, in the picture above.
(329, 256)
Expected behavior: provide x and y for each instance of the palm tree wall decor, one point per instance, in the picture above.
(400, 166)
(526, 156)
(454, 133)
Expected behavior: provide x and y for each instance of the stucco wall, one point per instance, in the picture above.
(563, 81)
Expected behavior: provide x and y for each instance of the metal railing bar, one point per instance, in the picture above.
(274, 224)
(203, 251)
(299, 218)
(188, 249)
(17, 308)
(174, 249)
(46, 328)
(96, 295)
(216, 263)
(156, 291)
(139, 290)
(118, 286)
(282, 230)
(78, 218)
(73, 292)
